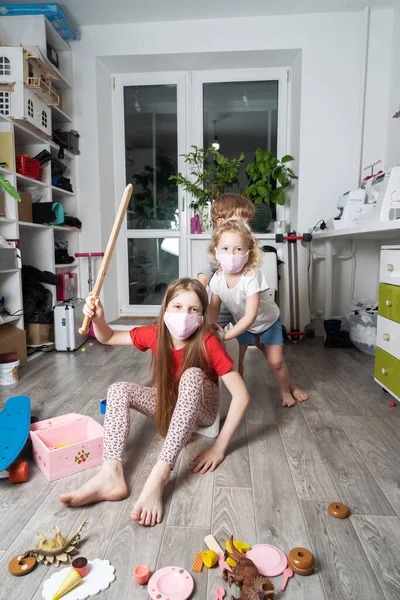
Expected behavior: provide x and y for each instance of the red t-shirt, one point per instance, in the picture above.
(145, 338)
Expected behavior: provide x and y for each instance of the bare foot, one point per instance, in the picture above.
(297, 394)
(148, 509)
(108, 484)
(287, 399)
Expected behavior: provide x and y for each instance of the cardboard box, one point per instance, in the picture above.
(7, 150)
(39, 333)
(25, 207)
(13, 339)
(2, 205)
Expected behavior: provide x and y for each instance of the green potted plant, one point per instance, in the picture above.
(210, 173)
(264, 172)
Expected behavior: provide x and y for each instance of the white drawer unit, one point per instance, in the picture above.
(387, 358)
(388, 336)
(389, 271)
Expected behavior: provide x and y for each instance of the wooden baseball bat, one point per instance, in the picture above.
(109, 250)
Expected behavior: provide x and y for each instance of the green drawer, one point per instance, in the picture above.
(389, 302)
(387, 371)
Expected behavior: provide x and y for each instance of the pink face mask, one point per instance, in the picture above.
(181, 325)
(232, 263)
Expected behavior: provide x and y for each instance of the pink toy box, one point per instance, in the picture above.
(66, 445)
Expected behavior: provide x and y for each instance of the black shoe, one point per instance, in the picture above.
(62, 257)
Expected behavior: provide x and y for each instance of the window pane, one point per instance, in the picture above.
(243, 116)
(151, 153)
(152, 265)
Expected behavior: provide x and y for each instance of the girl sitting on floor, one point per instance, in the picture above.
(187, 360)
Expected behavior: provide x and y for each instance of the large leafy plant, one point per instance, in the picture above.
(9, 188)
(210, 173)
(263, 173)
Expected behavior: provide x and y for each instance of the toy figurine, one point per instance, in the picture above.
(246, 576)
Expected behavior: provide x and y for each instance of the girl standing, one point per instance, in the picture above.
(242, 287)
(187, 360)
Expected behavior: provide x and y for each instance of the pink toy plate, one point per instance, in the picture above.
(170, 583)
(269, 560)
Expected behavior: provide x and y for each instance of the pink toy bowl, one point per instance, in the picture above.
(170, 583)
(66, 445)
(142, 574)
(269, 560)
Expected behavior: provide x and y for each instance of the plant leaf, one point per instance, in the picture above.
(278, 196)
(9, 188)
(287, 158)
(262, 191)
(276, 172)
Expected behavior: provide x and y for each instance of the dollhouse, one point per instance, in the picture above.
(26, 87)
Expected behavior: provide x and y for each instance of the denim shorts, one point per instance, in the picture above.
(270, 337)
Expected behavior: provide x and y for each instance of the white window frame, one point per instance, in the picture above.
(137, 80)
(5, 65)
(5, 98)
(31, 108)
(45, 119)
(279, 74)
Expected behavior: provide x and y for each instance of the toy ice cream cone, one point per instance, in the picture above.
(72, 580)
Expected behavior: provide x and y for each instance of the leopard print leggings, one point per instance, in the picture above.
(197, 404)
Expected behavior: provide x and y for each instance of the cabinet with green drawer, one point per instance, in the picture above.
(387, 359)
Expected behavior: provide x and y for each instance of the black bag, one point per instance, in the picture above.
(42, 212)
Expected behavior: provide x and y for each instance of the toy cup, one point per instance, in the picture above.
(142, 574)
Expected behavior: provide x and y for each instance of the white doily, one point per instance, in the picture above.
(100, 576)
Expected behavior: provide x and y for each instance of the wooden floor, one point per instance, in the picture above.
(284, 467)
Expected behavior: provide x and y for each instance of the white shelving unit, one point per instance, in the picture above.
(37, 241)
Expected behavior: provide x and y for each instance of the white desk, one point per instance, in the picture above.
(366, 231)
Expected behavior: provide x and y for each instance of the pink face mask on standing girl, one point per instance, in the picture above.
(181, 325)
(232, 263)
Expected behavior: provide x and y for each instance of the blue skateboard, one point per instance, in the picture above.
(15, 421)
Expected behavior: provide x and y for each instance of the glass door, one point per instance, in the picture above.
(240, 110)
(150, 135)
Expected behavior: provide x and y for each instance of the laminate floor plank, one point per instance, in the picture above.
(355, 484)
(380, 539)
(310, 475)
(383, 465)
(342, 565)
(234, 470)
(278, 517)
(191, 504)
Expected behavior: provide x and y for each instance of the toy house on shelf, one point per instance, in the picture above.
(27, 87)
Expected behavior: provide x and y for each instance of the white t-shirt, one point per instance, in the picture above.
(235, 298)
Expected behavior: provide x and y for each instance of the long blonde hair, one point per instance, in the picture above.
(193, 353)
(237, 226)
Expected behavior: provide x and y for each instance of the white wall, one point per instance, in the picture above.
(326, 92)
(393, 126)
